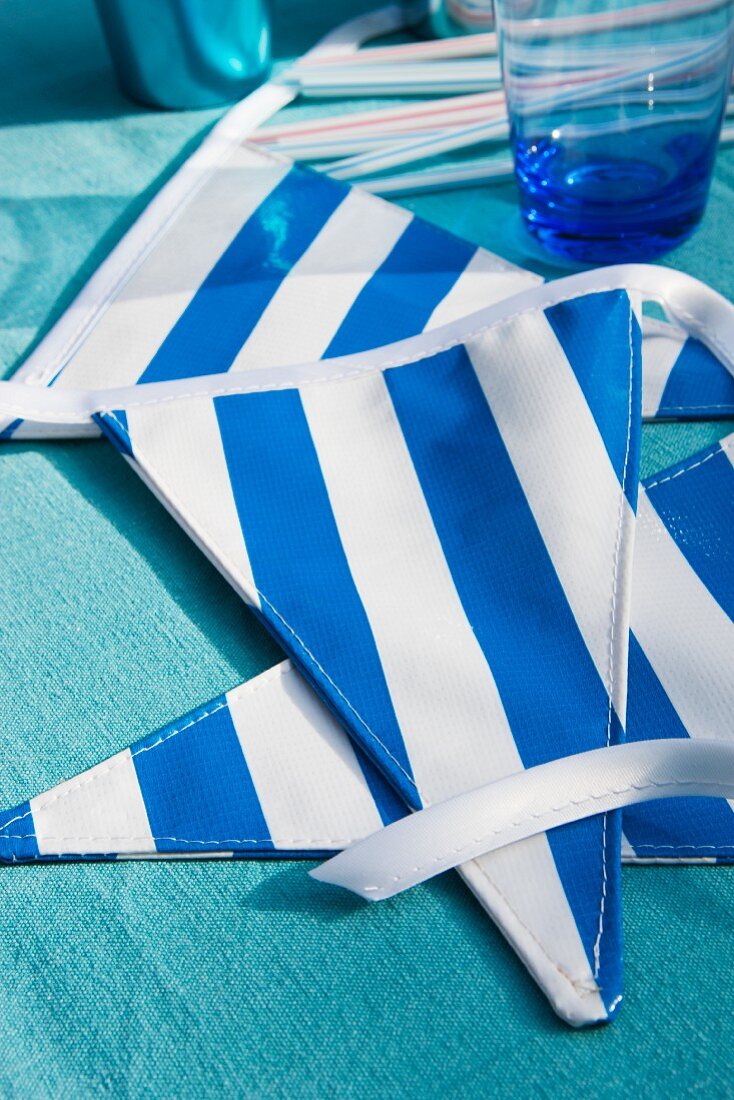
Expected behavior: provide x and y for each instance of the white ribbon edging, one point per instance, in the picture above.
(442, 836)
(693, 306)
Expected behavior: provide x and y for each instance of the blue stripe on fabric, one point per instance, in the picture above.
(594, 333)
(698, 382)
(671, 826)
(399, 299)
(695, 501)
(389, 806)
(17, 835)
(197, 788)
(310, 599)
(553, 697)
(115, 427)
(224, 311)
(7, 433)
(80, 857)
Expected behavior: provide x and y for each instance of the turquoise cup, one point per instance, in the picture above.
(180, 54)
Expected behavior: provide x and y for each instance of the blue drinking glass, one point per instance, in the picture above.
(615, 110)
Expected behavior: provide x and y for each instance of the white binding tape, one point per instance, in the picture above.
(449, 833)
(692, 305)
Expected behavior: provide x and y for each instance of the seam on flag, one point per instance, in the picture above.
(613, 633)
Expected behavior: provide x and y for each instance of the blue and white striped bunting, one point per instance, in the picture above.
(442, 543)
(265, 264)
(262, 770)
(429, 519)
(683, 380)
(260, 263)
(446, 564)
(318, 793)
(450, 570)
(681, 675)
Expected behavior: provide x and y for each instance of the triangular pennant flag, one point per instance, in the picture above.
(252, 262)
(267, 771)
(240, 265)
(287, 266)
(682, 378)
(681, 662)
(446, 563)
(262, 770)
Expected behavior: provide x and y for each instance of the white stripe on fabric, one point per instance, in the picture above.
(432, 661)
(628, 851)
(567, 477)
(309, 783)
(309, 306)
(183, 447)
(519, 887)
(661, 346)
(433, 664)
(484, 281)
(727, 446)
(117, 352)
(686, 635)
(100, 811)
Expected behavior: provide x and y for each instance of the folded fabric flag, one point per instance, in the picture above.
(245, 261)
(450, 570)
(681, 658)
(251, 262)
(449, 567)
(439, 534)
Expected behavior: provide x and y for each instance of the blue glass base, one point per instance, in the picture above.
(612, 209)
(623, 247)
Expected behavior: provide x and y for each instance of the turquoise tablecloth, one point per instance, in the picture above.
(180, 979)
